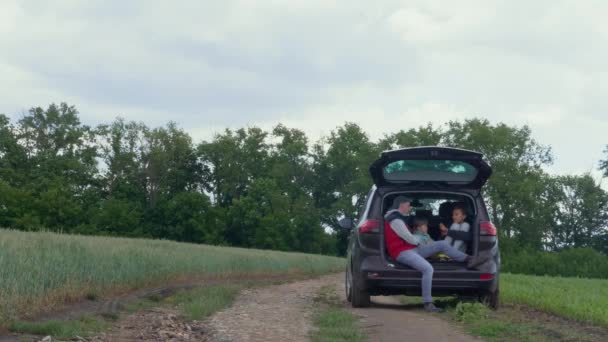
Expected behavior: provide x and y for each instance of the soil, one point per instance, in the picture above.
(555, 328)
(284, 313)
(280, 313)
(389, 320)
(158, 324)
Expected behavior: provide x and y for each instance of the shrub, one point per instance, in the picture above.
(574, 262)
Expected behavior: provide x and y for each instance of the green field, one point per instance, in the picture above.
(581, 299)
(40, 270)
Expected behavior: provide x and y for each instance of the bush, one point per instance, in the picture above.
(574, 262)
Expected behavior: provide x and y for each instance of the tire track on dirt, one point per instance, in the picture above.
(274, 313)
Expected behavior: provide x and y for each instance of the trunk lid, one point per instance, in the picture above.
(451, 167)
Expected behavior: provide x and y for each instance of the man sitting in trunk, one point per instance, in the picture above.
(406, 248)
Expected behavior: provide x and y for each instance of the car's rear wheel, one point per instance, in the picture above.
(348, 284)
(491, 297)
(359, 295)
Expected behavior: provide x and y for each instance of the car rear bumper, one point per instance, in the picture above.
(383, 277)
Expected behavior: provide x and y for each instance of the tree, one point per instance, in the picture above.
(516, 192)
(189, 217)
(170, 164)
(341, 172)
(422, 136)
(122, 148)
(58, 145)
(58, 168)
(260, 219)
(581, 218)
(604, 163)
(234, 160)
(15, 201)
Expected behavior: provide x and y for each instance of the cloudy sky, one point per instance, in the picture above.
(314, 64)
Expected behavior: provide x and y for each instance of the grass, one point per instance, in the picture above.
(201, 303)
(528, 303)
(332, 321)
(193, 304)
(480, 321)
(509, 324)
(61, 329)
(41, 270)
(513, 323)
(584, 300)
(580, 299)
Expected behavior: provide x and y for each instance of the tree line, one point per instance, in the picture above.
(272, 189)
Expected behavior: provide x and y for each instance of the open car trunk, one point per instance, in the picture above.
(444, 166)
(436, 207)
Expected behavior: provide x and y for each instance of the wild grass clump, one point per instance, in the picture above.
(333, 323)
(469, 311)
(39, 270)
(585, 300)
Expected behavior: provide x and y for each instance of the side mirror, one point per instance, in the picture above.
(346, 223)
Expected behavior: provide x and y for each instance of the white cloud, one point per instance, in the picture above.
(316, 64)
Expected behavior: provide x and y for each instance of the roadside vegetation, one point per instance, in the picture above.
(584, 300)
(575, 262)
(535, 308)
(42, 270)
(332, 321)
(62, 329)
(192, 304)
(269, 188)
(519, 324)
(200, 303)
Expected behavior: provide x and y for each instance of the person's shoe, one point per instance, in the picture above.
(474, 261)
(430, 307)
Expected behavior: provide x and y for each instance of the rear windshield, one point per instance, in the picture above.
(430, 170)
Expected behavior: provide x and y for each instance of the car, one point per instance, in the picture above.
(436, 178)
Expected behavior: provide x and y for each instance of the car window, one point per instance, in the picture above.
(430, 170)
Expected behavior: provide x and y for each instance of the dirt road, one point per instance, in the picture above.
(280, 313)
(283, 313)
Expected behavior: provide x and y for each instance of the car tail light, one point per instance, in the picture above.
(486, 276)
(369, 226)
(487, 228)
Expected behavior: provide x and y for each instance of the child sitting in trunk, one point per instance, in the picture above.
(421, 230)
(459, 235)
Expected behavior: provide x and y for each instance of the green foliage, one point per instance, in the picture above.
(421, 136)
(117, 217)
(340, 166)
(332, 321)
(580, 213)
(516, 192)
(266, 189)
(580, 299)
(470, 311)
(60, 329)
(575, 262)
(200, 303)
(65, 267)
(604, 163)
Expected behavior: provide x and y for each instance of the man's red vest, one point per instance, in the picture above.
(394, 243)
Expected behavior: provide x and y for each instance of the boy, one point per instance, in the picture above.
(421, 230)
(458, 233)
